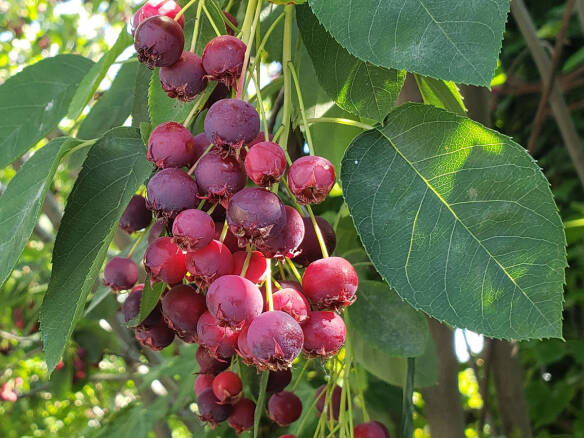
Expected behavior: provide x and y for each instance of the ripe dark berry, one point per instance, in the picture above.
(278, 380)
(201, 144)
(168, 8)
(220, 92)
(324, 334)
(311, 179)
(156, 231)
(230, 240)
(193, 229)
(219, 178)
(285, 243)
(373, 429)
(203, 382)
(209, 263)
(159, 41)
(164, 261)
(227, 387)
(241, 419)
(265, 163)
(310, 248)
(171, 145)
(185, 78)
(223, 58)
(219, 341)
(335, 400)
(256, 270)
(231, 123)
(330, 283)
(210, 410)
(233, 300)
(274, 340)
(131, 309)
(293, 303)
(242, 348)
(136, 216)
(171, 191)
(284, 408)
(182, 307)
(156, 338)
(208, 364)
(120, 273)
(233, 20)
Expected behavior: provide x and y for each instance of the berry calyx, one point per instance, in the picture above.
(120, 273)
(324, 334)
(230, 123)
(330, 283)
(219, 178)
(171, 145)
(278, 380)
(209, 263)
(171, 191)
(223, 59)
(265, 163)
(159, 41)
(293, 303)
(185, 79)
(131, 309)
(193, 229)
(136, 216)
(219, 341)
(284, 408)
(182, 307)
(168, 8)
(164, 261)
(256, 269)
(233, 300)
(203, 382)
(209, 364)
(227, 387)
(156, 338)
(210, 410)
(372, 429)
(241, 419)
(311, 179)
(309, 249)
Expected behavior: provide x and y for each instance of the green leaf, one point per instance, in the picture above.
(140, 108)
(441, 94)
(460, 221)
(356, 86)
(33, 102)
(20, 205)
(115, 168)
(456, 40)
(162, 108)
(93, 78)
(150, 296)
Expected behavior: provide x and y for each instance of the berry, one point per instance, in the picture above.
(209, 263)
(311, 179)
(171, 191)
(201, 144)
(220, 92)
(164, 261)
(265, 163)
(278, 380)
(203, 382)
(156, 338)
(193, 229)
(335, 400)
(373, 429)
(274, 340)
(284, 244)
(233, 20)
(131, 309)
(330, 283)
(233, 300)
(136, 216)
(231, 123)
(182, 307)
(324, 334)
(219, 341)
(159, 41)
(157, 229)
(223, 58)
(227, 387)
(291, 284)
(185, 78)
(210, 410)
(241, 419)
(120, 273)
(208, 364)
(310, 248)
(293, 303)
(260, 138)
(171, 145)
(284, 408)
(219, 178)
(288, 435)
(242, 348)
(230, 240)
(168, 8)
(256, 269)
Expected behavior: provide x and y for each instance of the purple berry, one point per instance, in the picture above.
(203, 382)
(156, 231)
(232, 123)
(209, 364)
(373, 429)
(330, 283)
(159, 41)
(227, 387)
(171, 191)
(233, 300)
(324, 334)
(184, 79)
(164, 261)
(241, 419)
(131, 309)
(335, 400)
(311, 179)
(136, 216)
(219, 341)
(278, 380)
(219, 178)
(210, 410)
(310, 248)
(120, 273)
(156, 338)
(182, 307)
(223, 58)
(171, 145)
(284, 408)
(209, 263)
(193, 229)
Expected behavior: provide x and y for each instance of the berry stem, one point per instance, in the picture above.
(248, 39)
(200, 206)
(197, 24)
(294, 270)
(137, 242)
(286, 58)
(210, 18)
(200, 103)
(224, 231)
(212, 209)
(183, 10)
(282, 273)
(302, 111)
(269, 298)
(340, 121)
(192, 169)
(247, 20)
(278, 285)
(261, 107)
(246, 262)
(259, 410)
(299, 378)
(319, 236)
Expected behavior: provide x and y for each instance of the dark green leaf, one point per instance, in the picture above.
(441, 94)
(140, 108)
(150, 296)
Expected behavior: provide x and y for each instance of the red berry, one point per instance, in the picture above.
(285, 243)
(209, 263)
(242, 348)
(324, 334)
(274, 340)
(335, 400)
(156, 338)
(223, 58)
(278, 380)
(210, 410)
(182, 307)
(310, 248)
(230, 240)
(136, 216)
(288, 435)
(291, 284)
(227, 387)
(171, 145)
(131, 309)
(164, 261)
(219, 341)
(373, 429)
(233, 20)
(185, 78)
(231, 123)
(265, 163)
(157, 229)
(171, 191)
(201, 144)
(193, 229)
(284, 408)
(219, 178)
(208, 364)
(241, 419)
(311, 179)
(220, 92)
(168, 8)
(203, 382)
(293, 303)
(233, 300)
(330, 283)
(120, 273)
(256, 270)
(159, 41)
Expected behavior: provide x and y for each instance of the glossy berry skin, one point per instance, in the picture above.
(131, 309)
(136, 216)
(309, 248)
(203, 382)
(171, 145)
(373, 429)
(223, 58)
(219, 341)
(256, 269)
(171, 191)
(233, 300)
(209, 263)
(156, 230)
(284, 408)
(185, 79)
(231, 123)
(324, 334)
(120, 273)
(230, 240)
(159, 41)
(241, 419)
(156, 338)
(210, 410)
(227, 387)
(242, 348)
(284, 243)
(311, 179)
(274, 340)
(208, 364)
(164, 261)
(182, 307)
(330, 283)
(293, 303)
(168, 8)
(218, 178)
(278, 380)
(193, 229)
(265, 163)
(335, 400)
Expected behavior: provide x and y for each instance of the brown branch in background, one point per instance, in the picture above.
(539, 116)
(567, 82)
